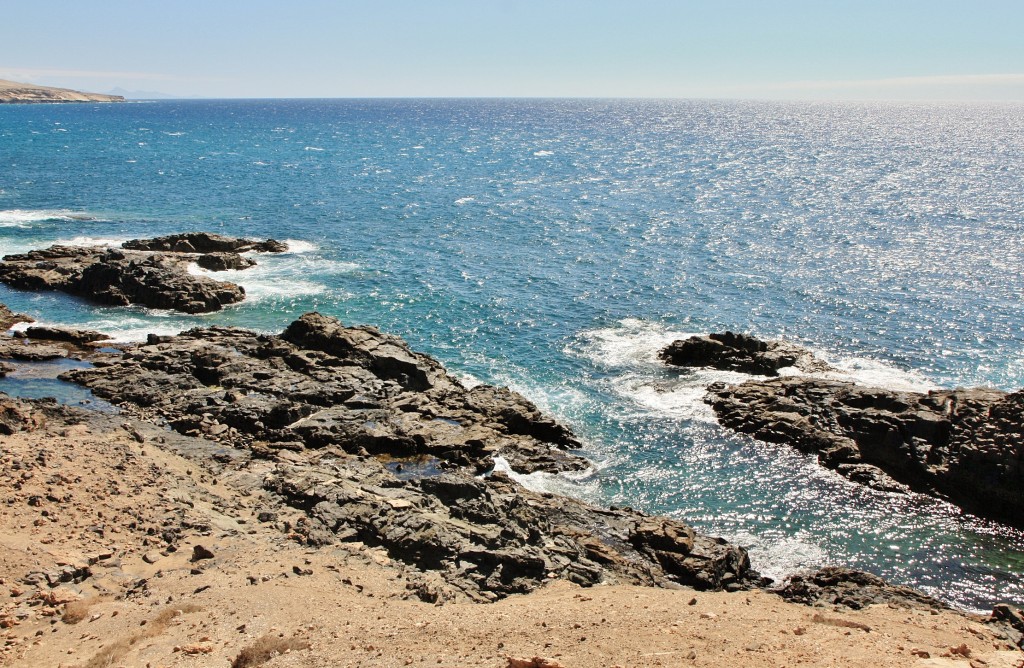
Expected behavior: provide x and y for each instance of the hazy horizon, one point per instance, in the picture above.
(739, 49)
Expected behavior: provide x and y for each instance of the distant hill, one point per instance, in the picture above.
(12, 91)
(143, 94)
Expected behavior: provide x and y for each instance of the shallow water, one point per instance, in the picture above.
(554, 245)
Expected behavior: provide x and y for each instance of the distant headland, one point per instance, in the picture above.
(13, 92)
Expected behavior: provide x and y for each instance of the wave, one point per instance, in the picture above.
(313, 148)
(543, 154)
(25, 217)
(627, 356)
(465, 200)
(297, 246)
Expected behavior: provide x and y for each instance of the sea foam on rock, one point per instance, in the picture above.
(138, 273)
(966, 445)
(740, 352)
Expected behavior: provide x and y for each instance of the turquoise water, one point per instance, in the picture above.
(553, 246)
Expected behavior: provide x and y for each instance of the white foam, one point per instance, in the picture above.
(779, 558)
(564, 484)
(313, 148)
(629, 353)
(296, 246)
(465, 200)
(92, 241)
(25, 217)
(542, 154)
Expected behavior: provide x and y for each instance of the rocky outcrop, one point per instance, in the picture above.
(740, 352)
(965, 445)
(377, 443)
(322, 384)
(850, 588)
(15, 92)
(27, 350)
(79, 337)
(148, 272)
(9, 318)
(205, 242)
(118, 278)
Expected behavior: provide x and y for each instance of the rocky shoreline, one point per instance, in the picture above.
(146, 272)
(345, 438)
(964, 445)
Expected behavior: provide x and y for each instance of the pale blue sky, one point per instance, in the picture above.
(864, 49)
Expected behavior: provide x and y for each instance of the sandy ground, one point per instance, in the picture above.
(88, 507)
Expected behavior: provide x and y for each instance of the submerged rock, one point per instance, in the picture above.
(321, 398)
(965, 445)
(740, 352)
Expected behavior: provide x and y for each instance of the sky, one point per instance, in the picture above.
(970, 50)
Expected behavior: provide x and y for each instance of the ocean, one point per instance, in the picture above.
(555, 245)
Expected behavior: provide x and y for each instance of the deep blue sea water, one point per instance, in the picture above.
(554, 245)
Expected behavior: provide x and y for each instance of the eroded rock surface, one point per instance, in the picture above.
(740, 352)
(9, 318)
(148, 272)
(967, 445)
(851, 589)
(379, 444)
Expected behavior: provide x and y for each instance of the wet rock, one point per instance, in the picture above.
(224, 261)
(26, 350)
(78, 337)
(9, 318)
(205, 242)
(119, 278)
(852, 589)
(964, 445)
(740, 352)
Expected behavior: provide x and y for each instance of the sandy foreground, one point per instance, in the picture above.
(83, 582)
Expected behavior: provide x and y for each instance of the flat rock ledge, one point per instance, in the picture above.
(740, 352)
(147, 272)
(378, 444)
(964, 445)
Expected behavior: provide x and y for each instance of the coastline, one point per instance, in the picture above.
(92, 498)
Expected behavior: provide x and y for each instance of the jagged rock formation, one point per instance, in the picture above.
(15, 92)
(79, 337)
(9, 318)
(966, 445)
(849, 588)
(136, 274)
(379, 444)
(205, 242)
(740, 352)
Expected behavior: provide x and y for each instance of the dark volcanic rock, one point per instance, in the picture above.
(323, 384)
(205, 242)
(321, 397)
(851, 589)
(26, 350)
(77, 336)
(9, 318)
(966, 445)
(740, 352)
(224, 261)
(119, 278)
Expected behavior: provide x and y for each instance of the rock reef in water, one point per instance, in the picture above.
(379, 444)
(137, 274)
(740, 352)
(965, 445)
